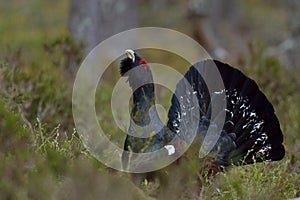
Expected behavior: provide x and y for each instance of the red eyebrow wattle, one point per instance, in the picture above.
(143, 62)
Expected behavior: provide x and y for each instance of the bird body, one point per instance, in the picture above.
(251, 131)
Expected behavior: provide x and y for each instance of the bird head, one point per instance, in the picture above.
(134, 61)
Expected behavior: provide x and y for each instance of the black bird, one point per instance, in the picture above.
(251, 132)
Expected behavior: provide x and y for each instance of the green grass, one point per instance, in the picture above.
(42, 157)
(258, 181)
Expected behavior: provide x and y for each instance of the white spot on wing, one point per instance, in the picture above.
(170, 149)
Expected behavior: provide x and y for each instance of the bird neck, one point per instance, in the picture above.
(144, 93)
(143, 100)
(147, 123)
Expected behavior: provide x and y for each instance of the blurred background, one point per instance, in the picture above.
(42, 44)
(224, 28)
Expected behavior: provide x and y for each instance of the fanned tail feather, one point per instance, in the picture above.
(251, 131)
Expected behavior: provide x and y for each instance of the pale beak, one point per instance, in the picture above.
(130, 54)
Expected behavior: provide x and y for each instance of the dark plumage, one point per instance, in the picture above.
(251, 130)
